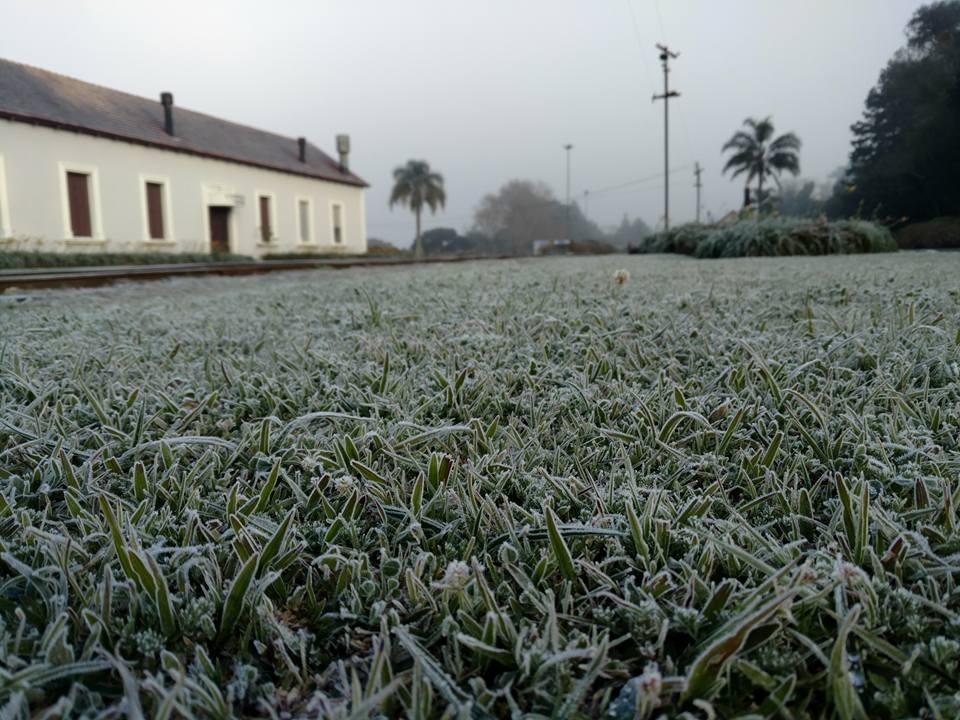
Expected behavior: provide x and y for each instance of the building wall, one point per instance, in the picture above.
(34, 211)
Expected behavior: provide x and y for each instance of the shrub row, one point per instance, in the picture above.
(18, 259)
(941, 233)
(771, 237)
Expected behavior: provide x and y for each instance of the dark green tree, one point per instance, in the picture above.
(906, 149)
(416, 185)
(758, 155)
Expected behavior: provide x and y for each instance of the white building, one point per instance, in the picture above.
(87, 168)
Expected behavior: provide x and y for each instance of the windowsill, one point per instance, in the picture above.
(308, 244)
(85, 241)
(271, 244)
(159, 243)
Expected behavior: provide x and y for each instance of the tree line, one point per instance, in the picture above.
(905, 162)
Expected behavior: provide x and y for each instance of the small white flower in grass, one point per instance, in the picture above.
(456, 576)
(344, 485)
(621, 277)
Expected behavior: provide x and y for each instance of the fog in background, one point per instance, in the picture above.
(490, 90)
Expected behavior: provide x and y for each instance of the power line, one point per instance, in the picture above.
(656, 4)
(638, 181)
(640, 43)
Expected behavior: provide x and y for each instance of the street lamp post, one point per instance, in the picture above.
(568, 147)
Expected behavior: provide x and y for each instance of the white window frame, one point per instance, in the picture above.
(169, 236)
(6, 227)
(333, 226)
(311, 234)
(96, 211)
(274, 220)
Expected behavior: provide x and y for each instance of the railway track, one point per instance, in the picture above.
(24, 279)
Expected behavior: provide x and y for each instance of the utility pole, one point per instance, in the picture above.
(568, 147)
(586, 203)
(666, 55)
(697, 171)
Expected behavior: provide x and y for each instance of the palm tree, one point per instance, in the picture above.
(756, 155)
(416, 185)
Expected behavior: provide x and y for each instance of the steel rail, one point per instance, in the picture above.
(36, 278)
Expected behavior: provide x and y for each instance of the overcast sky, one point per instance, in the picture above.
(491, 90)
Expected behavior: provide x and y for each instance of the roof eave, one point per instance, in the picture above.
(354, 181)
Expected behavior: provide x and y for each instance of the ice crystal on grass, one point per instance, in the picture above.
(849, 574)
(148, 642)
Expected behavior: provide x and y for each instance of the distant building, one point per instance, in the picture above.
(550, 247)
(87, 168)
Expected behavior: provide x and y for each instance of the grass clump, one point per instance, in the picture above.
(772, 237)
(486, 490)
(27, 259)
(680, 240)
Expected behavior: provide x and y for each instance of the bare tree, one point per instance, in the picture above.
(519, 213)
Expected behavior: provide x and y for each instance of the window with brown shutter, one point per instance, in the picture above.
(78, 192)
(155, 210)
(337, 224)
(304, 206)
(4, 212)
(266, 231)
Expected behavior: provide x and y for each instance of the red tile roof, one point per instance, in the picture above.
(29, 94)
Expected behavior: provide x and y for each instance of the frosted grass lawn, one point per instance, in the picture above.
(720, 488)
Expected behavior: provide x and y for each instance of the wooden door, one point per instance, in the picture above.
(79, 196)
(155, 210)
(219, 229)
(266, 227)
